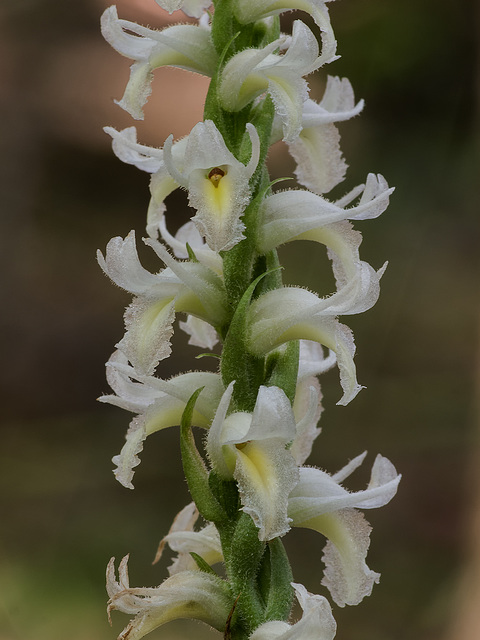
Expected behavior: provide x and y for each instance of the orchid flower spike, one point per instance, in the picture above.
(185, 46)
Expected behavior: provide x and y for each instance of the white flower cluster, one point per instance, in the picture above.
(261, 449)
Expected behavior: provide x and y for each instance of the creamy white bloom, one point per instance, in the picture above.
(159, 405)
(319, 502)
(189, 287)
(193, 8)
(186, 46)
(299, 214)
(291, 313)
(320, 164)
(188, 594)
(252, 10)
(252, 449)
(183, 539)
(217, 183)
(252, 72)
(317, 621)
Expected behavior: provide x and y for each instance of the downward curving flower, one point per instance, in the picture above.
(188, 594)
(254, 71)
(186, 46)
(158, 403)
(252, 449)
(189, 287)
(248, 11)
(317, 621)
(319, 502)
(320, 164)
(184, 540)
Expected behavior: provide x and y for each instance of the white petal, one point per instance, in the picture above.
(149, 329)
(189, 594)
(204, 293)
(266, 472)
(122, 265)
(201, 333)
(130, 395)
(349, 468)
(193, 8)
(312, 361)
(128, 150)
(347, 575)
(307, 408)
(186, 46)
(317, 492)
(316, 623)
(219, 203)
(320, 164)
(215, 440)
(128, 458)
(251, 11)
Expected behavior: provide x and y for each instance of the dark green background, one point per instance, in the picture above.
(64, 195)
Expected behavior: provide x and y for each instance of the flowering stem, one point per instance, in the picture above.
(260, 410)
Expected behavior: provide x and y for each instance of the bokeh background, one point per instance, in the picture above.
(64, 194)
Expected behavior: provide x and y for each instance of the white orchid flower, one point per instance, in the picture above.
(188, 287)
(252, 72)
(304, 316)
(302, 215)
(320, 164)
(299, 214)
(183, 539)
(188, 594)
(159, 405)
(250, 11)
(186, 46)
(217, 183)
(252, 449)
(319, 502)
(317, 621)
(193, 8)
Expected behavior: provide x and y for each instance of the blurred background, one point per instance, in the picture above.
(64, 195)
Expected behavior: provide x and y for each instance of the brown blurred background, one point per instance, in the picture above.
(64, 194)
